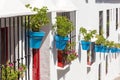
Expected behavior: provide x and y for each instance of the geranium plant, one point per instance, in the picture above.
(70, 52)
(11, 72)
(68, 55)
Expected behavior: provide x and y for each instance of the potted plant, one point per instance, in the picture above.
(87, 35)
(62, 28)
(37, 21)
(115, 47)
(67, 55)
(11, 72)
(111, 46)
(106, 45)
(99, 42)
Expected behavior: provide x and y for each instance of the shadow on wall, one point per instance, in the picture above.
(61, 73)
(107, 1)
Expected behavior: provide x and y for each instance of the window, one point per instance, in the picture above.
(61, 56)
(107, 23)
(100, 22)
(67, 14)
(116, 18)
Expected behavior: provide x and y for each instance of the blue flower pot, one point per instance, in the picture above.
(35, 39)
(97, 48)
(113, 50)
(101, 46)
(61, 42)
(108, 49)
(85, 45)
(104, 49)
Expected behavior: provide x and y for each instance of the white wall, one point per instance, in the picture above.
(88, 16)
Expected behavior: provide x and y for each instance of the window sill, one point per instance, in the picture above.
(63, 68)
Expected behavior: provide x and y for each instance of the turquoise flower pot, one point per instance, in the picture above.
(35, 39)
(61, 42)
(85, 45)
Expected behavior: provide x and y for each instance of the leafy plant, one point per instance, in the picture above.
(87, 35)
(106, 43)
(100, 39)
(70, 52)
(111, 43)
(38, 20)
(63, 26)
(11, 73)
(117, 45)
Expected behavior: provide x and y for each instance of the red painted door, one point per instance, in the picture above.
(36, 64)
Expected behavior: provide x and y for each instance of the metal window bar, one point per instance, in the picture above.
(14, 61)
(0, 52)
(10, 38)
(28, 49)
(26, 78)
(116, 18)
(107, 23)
(22, 39)
(5, 40)
(100, 22)
(18, 60)
(21, 30)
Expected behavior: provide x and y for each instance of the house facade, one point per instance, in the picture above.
(42, 64)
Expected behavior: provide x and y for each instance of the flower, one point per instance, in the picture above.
(70, 53)
(12, 72)
(11, 64)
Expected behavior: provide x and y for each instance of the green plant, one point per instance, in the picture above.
(9, 72)
(106, 43)
(100, 39)
(111, 43)
(38, 20)
(63, 26)
(87, 35)
(117, 45)
(70, 52)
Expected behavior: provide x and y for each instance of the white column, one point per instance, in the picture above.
(53, 54)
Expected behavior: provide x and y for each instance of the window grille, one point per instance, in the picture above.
(14, 43)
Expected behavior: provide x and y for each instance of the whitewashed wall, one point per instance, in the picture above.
(88, 16)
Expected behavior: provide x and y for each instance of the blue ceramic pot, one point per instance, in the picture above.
(97, 48)
(35, 39)
(85, 45)
(61, 42)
